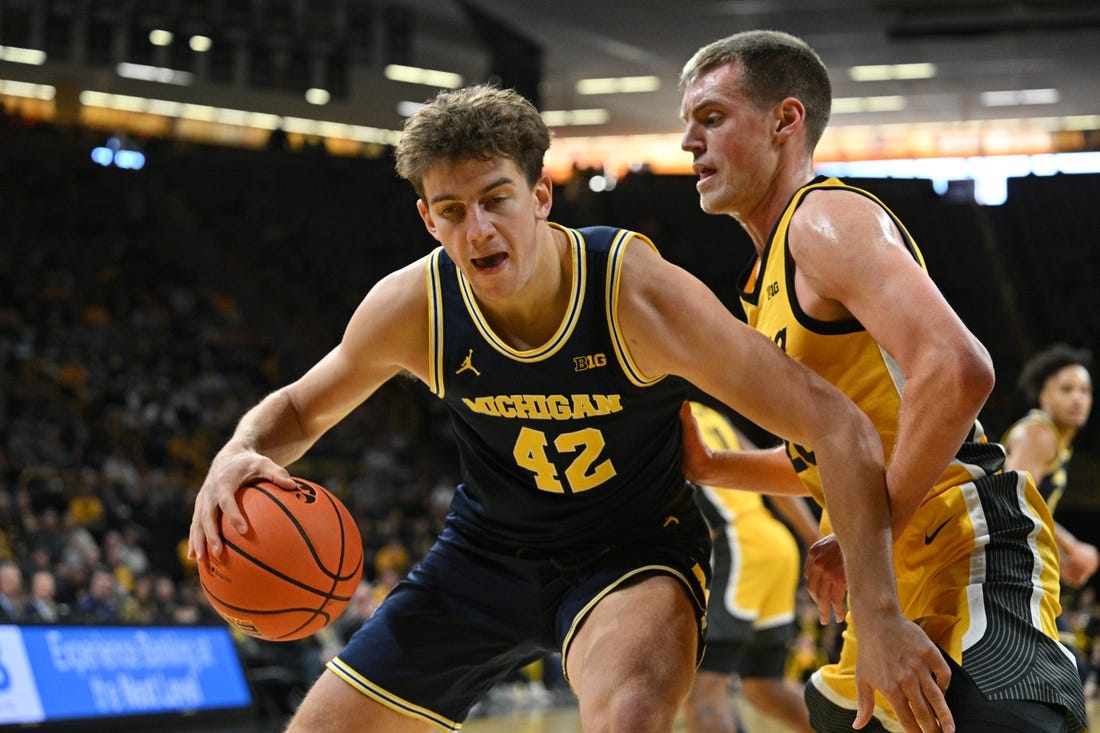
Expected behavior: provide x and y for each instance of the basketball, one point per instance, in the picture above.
(295, 569)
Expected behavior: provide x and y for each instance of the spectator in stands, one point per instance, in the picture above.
(71, 574)
(48, 533)
(98, 604)
(139, 606)
(278, 141)
(81, 546)
(42, 606)
(164, 599)
(38, 558)
(131, 551)
(112, 558)
(362, 606)
(12, 598)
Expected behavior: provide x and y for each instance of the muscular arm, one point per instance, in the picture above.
(387, 334)
(697, 338)
(754, 377)
(851, 261)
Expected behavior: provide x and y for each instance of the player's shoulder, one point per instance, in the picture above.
(840, 203)
(1035, 425)
(396, 297)
(411, 280)
(830, 216)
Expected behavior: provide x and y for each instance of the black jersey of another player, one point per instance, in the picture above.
(566, 444)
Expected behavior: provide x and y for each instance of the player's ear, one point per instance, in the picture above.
(790, 116)
(426, 217)
(544, 196)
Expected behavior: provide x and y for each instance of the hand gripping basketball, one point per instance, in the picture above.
(294, 571)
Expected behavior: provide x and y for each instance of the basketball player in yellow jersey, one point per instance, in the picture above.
(840, 286)
(751, 610)
(1058, 388)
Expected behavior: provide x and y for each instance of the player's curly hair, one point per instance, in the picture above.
(1039, 368)
(478, 122)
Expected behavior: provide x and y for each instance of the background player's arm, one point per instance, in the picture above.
(387, 333)
(851, 261)
(798, 516)
(762, 470)
(1080, 560)
(1031, 447)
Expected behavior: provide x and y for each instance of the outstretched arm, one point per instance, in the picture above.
(387, 333)
(763, 470)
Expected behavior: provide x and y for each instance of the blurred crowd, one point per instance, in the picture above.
(121, 372)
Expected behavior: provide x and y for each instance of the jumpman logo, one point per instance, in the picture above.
(468, 365)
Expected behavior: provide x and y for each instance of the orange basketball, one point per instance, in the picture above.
(295, 569)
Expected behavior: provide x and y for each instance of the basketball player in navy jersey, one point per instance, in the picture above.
(840, 285)
(561, 356)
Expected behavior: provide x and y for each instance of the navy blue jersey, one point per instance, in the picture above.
(563, 445)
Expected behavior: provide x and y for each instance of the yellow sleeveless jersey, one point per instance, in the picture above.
(842, 351)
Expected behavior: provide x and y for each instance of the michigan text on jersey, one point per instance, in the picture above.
(546, 407)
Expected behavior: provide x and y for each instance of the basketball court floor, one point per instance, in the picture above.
(565, 720)
(559, 718)
(518, 712)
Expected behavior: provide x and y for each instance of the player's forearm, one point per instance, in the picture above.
(939, 407)
(856, 499)
(1064, 538)
(765, 471)
(273, 429)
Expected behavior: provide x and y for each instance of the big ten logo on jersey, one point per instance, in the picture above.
(589, 361)
(773, 289)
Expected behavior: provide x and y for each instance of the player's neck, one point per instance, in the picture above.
(532, 318)
(760, 221)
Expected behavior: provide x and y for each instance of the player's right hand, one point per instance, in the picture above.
(697, 454)
(217, 497)
(897, 658)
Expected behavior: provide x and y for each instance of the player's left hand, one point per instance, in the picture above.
(897, 658)
(825, 578)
